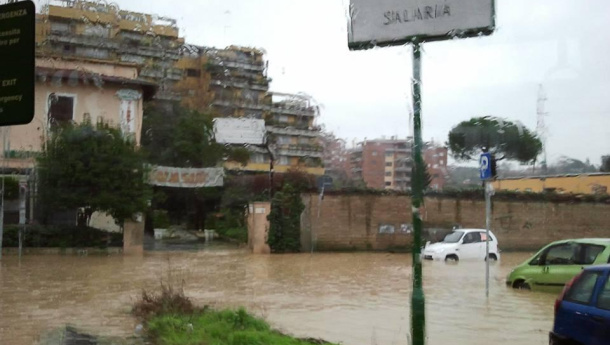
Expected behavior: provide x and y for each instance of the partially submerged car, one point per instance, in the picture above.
(463, 244)
(558, 262)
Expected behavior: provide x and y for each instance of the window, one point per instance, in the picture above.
(441, 154)
(60, 28)
(283, 140)
(603, 300)
(388, 173)
(283, 160)
(588, 253)
(96, 53)
(484, 237)
(582, 290)
(258, 158)
(96, 31)
(282, 118)
(61, 109)
(304, 141)
(374, 153)
(562, 254)
(389, 154)
(472, 237)
(193, 73)
(388, 164)
(388, 183)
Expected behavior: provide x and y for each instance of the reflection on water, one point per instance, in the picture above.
(355, 298)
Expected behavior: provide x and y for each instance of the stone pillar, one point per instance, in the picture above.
(133, 237)
(258, 227)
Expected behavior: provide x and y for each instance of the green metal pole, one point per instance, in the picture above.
(418, 302)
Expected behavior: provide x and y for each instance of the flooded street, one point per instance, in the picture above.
(353, 298)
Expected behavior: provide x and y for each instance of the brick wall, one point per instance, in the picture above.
(353, 221)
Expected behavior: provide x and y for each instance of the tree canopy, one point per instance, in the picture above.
(92, 167)
(605, 164)
(502, 138)
(175, 136)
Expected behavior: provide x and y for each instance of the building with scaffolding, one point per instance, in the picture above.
(229, 82)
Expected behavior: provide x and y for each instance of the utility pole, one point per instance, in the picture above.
(418, 303)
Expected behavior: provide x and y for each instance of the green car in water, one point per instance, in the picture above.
(558, 262)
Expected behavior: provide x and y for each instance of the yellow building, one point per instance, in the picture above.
(591, 183)
(70, 92)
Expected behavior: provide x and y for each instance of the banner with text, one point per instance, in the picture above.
(186, 177)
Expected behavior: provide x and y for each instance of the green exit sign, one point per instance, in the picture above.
(17, 63)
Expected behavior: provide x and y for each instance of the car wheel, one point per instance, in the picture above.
(522, 285)
(493, 257)
(452, 258)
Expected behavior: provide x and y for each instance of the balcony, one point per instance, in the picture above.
(238, 103)
(226, 63)
(282, 109)
(304, 150)
(152, 73)
(240, 85)
(403, 169)
(292, 131)
(174, 74)
(91, 41)
(150, 52)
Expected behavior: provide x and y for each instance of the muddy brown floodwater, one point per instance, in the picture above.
(353, 298)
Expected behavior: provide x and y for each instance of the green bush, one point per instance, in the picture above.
(238, 234)
(36, 236)
(161, 219)
(11, 188)
(285, 221)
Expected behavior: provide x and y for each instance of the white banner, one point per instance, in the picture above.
(239, 131)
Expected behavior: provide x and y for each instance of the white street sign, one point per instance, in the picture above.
(239, 131)
(396, 22)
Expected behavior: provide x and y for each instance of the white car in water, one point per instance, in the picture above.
(463, 244)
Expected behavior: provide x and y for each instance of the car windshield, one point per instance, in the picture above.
(453, 237)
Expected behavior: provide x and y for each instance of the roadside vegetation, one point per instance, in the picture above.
(170, 318)
(39, 236)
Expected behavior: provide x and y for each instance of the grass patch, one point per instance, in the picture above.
(171, 319)
(225, 327)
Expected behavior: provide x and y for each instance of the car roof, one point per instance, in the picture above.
(603, 241)
(604, 267)
(471, 230)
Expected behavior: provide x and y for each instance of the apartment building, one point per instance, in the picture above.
(96, 31)
(388, 163)
(383, 163)
(435, 157)
(229, 82)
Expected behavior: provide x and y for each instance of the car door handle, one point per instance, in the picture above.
(597, 318)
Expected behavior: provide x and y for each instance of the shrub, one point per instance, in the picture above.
(168, 301)
(37, 236)
(161, 219)
(285, 221)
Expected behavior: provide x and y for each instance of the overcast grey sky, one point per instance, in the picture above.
(563, 44)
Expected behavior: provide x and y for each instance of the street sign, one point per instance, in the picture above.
(485, 166)
(17, 67)
(396, 22)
